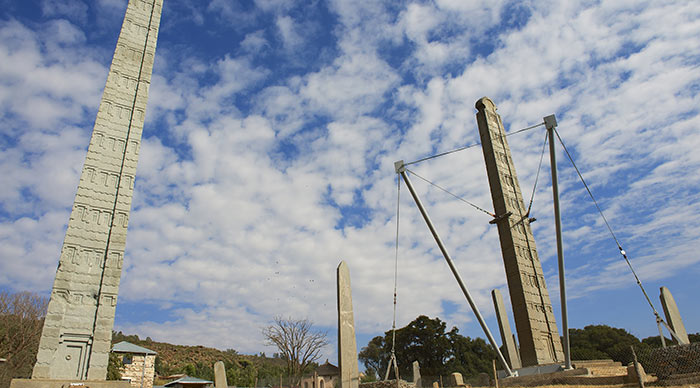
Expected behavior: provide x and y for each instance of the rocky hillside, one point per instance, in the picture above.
(198, 361)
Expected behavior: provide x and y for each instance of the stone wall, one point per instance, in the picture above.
(321, 382)
(387, 384)
(134, 370)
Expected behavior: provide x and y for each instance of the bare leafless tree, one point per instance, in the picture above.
(297, 342)
(21, 320)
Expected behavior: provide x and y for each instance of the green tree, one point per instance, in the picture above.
(243, 375)
(375, 356)
(199, 370)
(161, 368)
(427, 341)
(114, 366)
(602, 341)
(423, 340)
(470, 356)
(655, 341)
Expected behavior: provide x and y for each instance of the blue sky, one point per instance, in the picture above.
(271, 134)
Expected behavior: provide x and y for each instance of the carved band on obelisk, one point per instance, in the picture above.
(77, 331)
(532, 309)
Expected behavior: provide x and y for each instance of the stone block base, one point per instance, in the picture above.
(40, 383)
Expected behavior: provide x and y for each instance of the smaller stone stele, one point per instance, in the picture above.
(456, 380)
(509, 345)
(673, 316)
(416, 374)
(347, 345)
(220, 375)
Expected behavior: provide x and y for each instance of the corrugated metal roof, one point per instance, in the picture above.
(188, 380)
(128, 347)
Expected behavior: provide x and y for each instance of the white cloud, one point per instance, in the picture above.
(254, 183)
(288, 31)
(275, 5)
(72, 9)
(254, 42)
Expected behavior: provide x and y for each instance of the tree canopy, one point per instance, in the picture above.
(438, 351)
(602, 342)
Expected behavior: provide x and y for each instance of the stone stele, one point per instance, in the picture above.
(416, 374)
(347, 346)
(673, 316)
(507, 338)
(75, 340)
(220, 375)
(532, 309)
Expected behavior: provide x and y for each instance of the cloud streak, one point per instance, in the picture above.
(269, 147)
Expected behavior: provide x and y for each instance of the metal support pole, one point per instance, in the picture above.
(661, 332)
(551, 122)
(401, 169)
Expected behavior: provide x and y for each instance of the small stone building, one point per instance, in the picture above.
(325, 376)
(139, 364)
(189, 382)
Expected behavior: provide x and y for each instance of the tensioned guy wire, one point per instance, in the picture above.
(539, 167)
(470, 146)
(454, 195)
(619, 246)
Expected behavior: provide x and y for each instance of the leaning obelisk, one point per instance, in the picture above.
(532, 309)
(75, 340)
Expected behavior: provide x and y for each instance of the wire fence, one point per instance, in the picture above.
(673, 365)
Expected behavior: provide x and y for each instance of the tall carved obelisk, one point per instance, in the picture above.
(75, 341)
(532, 309)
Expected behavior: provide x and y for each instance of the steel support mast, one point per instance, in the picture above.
(401, 170)
(550, 123)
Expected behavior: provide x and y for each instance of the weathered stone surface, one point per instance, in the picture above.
(77, 331)
(456, 380)
(347, 346)
(511, 352)
(140, 371)
(673, 316)
(387, 384)
(633, 376)
(532, 309)
(220, 375)
(416, 374)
